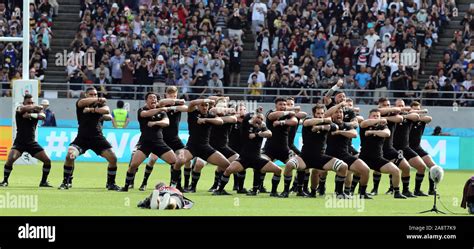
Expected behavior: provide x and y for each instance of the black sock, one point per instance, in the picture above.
(67, 173)
(256, 180)
(339, 184)
(322, 182)
(6, 172)
(431, 183)
(300, 179)
(306, 180)
(396, 190)
(129, 179)
(147, 174)
(347, 189)
(295, 183)
(355, 181)
(275, 182)
(175, 177)
(187, 175)
(216, 179)
(406, 183)
(46, 169)
(362, 190)
(418, 181)
(376, 178)
(390, 180)
(241, 179)
(262, 179)
(287, 182)
(195, 180)
(236, 177)
(224, 180)
(111, 173)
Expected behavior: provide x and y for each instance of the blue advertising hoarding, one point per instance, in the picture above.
(444, 150)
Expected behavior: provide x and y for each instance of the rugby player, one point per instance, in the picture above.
(373, 132)
(90, 111)
(26, 117)
(152, 120)
(170, 135)
(278, 121)
(314, 134)
(290, 103)
(351, 118)
(219, 137)
(166, 197)
(253, 132)
(200, 122)
(401, 142)
(416, 133)
(236, 145)
(392, 114)
(337, 146)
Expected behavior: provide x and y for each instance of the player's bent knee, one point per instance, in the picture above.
(339, 165)
(72, 152)
(292, 163)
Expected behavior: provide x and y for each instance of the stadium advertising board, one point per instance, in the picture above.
(444, 150)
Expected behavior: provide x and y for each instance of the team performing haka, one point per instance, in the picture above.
(26, 117)
(231, 139)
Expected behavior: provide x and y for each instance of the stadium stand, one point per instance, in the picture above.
(297, 44)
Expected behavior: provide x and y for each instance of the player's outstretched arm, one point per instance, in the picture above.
(383, 133)
(423, 111)
(372, 122)
(426, 119)
(389, 110)
(171, 102)
(349, 133)
(40, 116)
(153, 112)
(214, 121)
(412, 116)
(333, 109)
(196, 102)
(222, 111)
(279, 114)
(229, 119)
(265, 134)
(29, 108)
(395, 118)
(89, 101)
(162, 123)
(316, 121)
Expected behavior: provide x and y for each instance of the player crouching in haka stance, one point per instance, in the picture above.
(174, 107)
(415, 139)
(166, 197)
(151, 120)
(253, 131)
(200, 122)
(315, 131)
(373, 132)
(337, 146)
(90, 113)
(26, 117)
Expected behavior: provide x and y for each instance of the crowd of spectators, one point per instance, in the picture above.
(42, 13)
(372, 44)
(158, 42)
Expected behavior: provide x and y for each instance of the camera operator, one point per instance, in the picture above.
(77, 77)
(380, 79)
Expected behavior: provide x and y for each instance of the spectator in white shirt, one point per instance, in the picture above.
(259, 11)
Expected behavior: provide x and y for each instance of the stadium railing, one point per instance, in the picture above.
(267, 94)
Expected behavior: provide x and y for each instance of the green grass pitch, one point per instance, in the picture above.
(88, 197)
